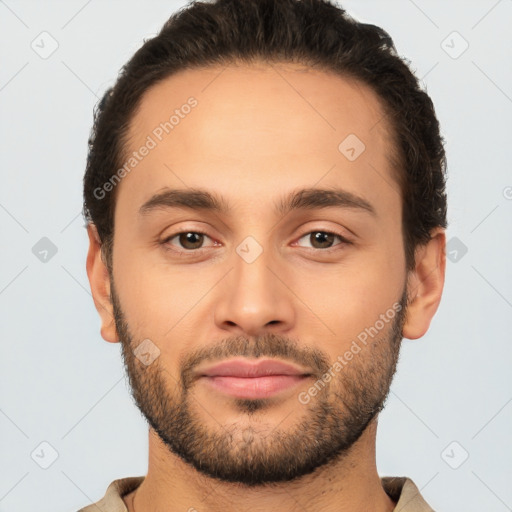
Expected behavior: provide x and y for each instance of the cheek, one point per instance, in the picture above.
(162, 302)
(342, 300)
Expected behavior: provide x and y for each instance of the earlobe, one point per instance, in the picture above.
(99, 281)
(425, 285)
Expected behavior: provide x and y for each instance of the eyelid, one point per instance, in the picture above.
(344, 240)
(166, 241)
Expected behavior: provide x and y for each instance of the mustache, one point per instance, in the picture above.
(269, 345)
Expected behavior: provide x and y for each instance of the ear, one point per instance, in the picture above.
(425, 285)
(99, 280)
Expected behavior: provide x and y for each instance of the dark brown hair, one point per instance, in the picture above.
(316, 33)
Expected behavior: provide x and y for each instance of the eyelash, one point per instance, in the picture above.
(166, 242)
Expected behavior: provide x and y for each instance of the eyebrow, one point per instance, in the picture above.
(302, 199)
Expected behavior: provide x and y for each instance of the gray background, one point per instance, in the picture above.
(448, 419)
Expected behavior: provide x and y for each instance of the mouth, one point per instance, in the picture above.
(242, 378)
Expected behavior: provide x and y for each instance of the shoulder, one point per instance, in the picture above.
(112, 501)
(405, 494)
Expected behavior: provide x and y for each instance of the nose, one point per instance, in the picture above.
(254, 299)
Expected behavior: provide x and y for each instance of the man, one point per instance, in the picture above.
(265, 192)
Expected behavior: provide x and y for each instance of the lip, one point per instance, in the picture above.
(251, 380)
(244, 368)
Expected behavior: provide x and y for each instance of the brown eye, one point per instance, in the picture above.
(323, 239)
(194, 239)
(188, 240)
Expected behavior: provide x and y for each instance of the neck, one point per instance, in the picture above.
(350, 483)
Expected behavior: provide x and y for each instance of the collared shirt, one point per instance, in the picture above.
(401, 490)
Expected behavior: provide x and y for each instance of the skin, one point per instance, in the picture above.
(258, 133)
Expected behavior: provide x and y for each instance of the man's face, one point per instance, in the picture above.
(255, 281)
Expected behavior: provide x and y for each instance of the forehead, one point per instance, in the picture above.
(263, 97)
(258, 128)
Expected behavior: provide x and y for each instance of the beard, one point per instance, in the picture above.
(331, 422)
